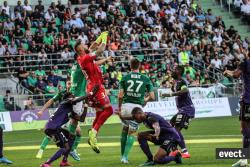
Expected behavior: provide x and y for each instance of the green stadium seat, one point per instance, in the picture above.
(7, 38)
(58, 22)
(45, 30)
(25, 46)
(33, 30)
(2, 104)
(23, 30)
(89, 19)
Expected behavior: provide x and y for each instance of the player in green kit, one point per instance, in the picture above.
(133, 88)
(59, 97)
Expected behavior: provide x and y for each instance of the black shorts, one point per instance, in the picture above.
(244, 111)
(165, 142)
(60, 136)
(180, 120)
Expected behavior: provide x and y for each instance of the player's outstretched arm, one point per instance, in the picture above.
(46, 106)
(104, 60)
(150, 97)
(102, 47)
(235, 74)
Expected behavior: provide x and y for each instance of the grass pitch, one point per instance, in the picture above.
(203, 136)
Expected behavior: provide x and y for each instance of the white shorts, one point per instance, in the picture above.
(127, 112)
(78, 108)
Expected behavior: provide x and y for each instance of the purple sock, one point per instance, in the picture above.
(57, 155)
(145, 148)
(165, 160)
(246, 137)
(182, 142)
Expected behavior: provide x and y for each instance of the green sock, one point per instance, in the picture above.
(45, 142)
(72, 129)
(129, 144)
(76, 142)
(123, 141)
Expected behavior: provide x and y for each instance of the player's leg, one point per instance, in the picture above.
(180, 121)
(143, 138)
(162, 155)
(245, 130)
(2, 158)
(133, 127)
(43, 146)
(123, 139)
(76, 142)
(68, 145)
(61, 141)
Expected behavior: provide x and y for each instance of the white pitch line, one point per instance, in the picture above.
(117, 144)
(117, 137)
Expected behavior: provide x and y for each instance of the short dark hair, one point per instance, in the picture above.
(7, 91)
(135, 111)
(78, 42)
(181, 69)
(135, 64)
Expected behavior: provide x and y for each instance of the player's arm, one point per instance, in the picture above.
(104, 60)
(102, 47)
(82, 117)
(95, 44)
(156, 126)
(183, 90)
(46, 106)
(235, 74)
(151, 95)
(120, 99)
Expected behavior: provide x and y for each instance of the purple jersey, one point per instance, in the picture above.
(60, 117)
(167, 130)
(245, 68)
(184, 102)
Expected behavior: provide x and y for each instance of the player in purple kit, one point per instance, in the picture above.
(186, 110)
(54, 130)
(162, 133)
(243, 71)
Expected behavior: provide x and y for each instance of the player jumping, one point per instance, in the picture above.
(63, 138)
(132, 94)
(243, 71)
(186, 110)
(93, 74)
(162, 133)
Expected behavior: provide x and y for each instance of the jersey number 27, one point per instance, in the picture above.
(132, 86)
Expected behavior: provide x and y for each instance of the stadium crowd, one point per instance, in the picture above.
(162, 34)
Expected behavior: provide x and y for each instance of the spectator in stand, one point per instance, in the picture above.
(101, 13)
(6, 7)
(40, 7)
(42, 57)
(27, 8)
(40, 72)
(216, 62)
(76, 21)
(50, 89)
(9, 102)
(31, 81)
(54, 79)
(29, 104)
(65, 55)
(40, 85)
(57, 71)
(49, 16)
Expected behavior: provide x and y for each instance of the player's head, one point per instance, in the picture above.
(135, 64)
(80, 48)
(138, 115)
(178, 72)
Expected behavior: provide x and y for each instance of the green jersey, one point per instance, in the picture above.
(135, 85)
(78, 81)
